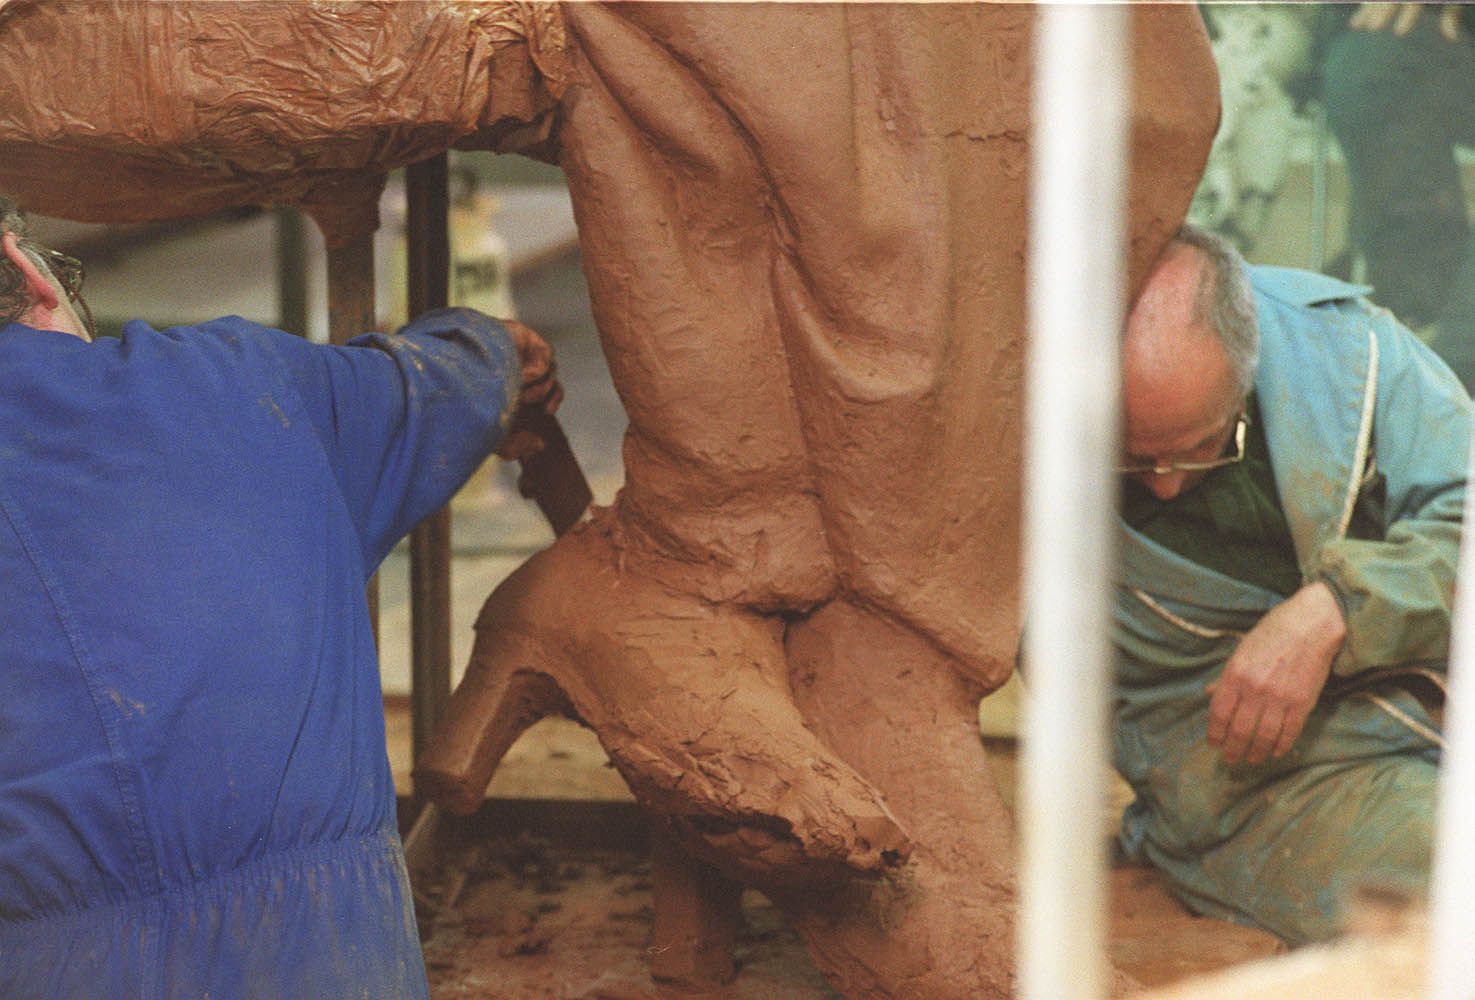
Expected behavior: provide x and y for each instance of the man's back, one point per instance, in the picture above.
(194, 795)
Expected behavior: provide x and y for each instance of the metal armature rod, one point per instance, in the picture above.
(1452, 907)
(291, 237)
(350, 313)
(351, 289)
(429, 270)
(1076, 292)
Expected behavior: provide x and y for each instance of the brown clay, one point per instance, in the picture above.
(118, 111)
(808, 246)
(804, 229)
(697, 918)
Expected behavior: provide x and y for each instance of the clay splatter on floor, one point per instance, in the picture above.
(523, 919)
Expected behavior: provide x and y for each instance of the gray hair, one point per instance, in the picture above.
(1225, 302)
(14, 297)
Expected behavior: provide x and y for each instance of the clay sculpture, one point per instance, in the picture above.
(804, 232)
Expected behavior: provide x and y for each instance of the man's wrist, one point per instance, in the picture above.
(1330, 614)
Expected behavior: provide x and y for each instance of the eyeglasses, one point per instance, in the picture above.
(1165, 468)
(67, 270)
(68, 273)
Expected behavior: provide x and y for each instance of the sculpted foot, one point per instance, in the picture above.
(690, 699)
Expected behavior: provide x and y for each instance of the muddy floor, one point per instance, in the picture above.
(545, 893)
(529, 901)
(522, 920)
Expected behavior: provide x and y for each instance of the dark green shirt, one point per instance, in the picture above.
(1230, 521)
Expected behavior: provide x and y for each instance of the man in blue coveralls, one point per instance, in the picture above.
(1293, 488)
(194, 794)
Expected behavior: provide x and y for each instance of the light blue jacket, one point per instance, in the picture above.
(1346, 395)
(195, 799)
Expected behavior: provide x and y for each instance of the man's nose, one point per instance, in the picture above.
(1166, 486)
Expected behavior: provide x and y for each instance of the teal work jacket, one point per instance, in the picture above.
(1357, 413)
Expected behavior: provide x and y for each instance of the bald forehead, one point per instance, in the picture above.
(1169, 304)
(1170, 356)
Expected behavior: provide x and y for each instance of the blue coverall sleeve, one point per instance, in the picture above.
(406, 419)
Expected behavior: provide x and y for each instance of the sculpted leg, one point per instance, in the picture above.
(895, 707)
(691, 701)
(808, 277)
(894, 230)
(654, 625)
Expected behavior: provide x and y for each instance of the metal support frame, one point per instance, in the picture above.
(429, 268)
(291, 239)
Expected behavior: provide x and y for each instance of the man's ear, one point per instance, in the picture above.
(42, 292)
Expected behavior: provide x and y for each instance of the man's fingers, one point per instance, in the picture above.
(1288, 734)
(1449, 22)
(1253, 730)
(1267, 735)
(1372, 16)
(1408, 16)
(536, 368)
(1221, 709)
(536, 390)
(1234, 713)
(1290, 731)
(532, 350)
(1241, 730)
(543, 396)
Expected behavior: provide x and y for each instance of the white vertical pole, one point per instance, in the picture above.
(1452, 898)
(1076, 292)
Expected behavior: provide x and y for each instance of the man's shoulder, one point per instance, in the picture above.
(228, 329)
(1295, 287)
(228, 344)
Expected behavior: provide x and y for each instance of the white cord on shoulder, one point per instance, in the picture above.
(1364, 434)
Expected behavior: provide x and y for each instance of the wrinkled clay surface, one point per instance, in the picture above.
(805, 244)
(804, 230)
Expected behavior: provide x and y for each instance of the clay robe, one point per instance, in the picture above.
(804, 232)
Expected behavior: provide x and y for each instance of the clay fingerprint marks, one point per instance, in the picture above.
(897, 195)
(690, 699)
(943, 930)
(638, 617)
(675, 218)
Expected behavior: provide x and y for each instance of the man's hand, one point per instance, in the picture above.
(540, 386)
(1376, 17)
(540, 390)
(1275, 675)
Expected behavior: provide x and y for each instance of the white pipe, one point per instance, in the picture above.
(1452, 898)
(1076, 292)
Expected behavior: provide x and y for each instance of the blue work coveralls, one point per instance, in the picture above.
(195, 799)
(1356, 411)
